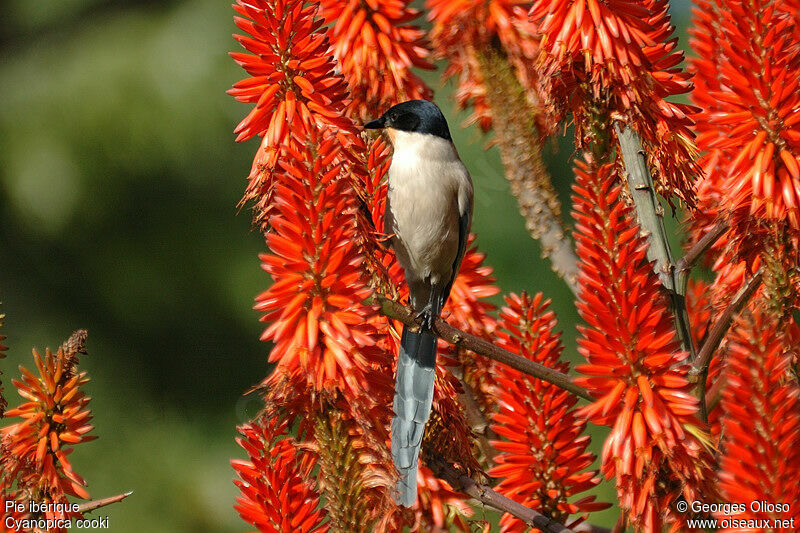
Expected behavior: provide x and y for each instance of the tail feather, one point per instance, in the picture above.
(413, 396)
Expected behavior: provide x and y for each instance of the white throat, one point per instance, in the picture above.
(413, 145)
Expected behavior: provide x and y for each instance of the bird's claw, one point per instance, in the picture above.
(426, 318)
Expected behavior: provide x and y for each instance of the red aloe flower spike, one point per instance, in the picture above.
(293, 85)
(761, 416)
(747, 81)
(318, 322)
(542, 463)
(376, 47)
(275, 494)
(635, 366)
(619, 56)
(54, 418)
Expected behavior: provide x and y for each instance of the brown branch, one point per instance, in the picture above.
(650, 215)
(462, 339)
(720, 327)
(485, 494)
(521, 152)
(96, 504)
(715, 335)
(694, 253)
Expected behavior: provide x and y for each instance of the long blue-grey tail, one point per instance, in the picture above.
(413, 395)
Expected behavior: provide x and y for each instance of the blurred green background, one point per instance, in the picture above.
(119, 179)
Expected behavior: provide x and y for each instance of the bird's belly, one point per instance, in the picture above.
(424, 222)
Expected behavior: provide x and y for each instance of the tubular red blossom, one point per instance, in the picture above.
(748, 90)
(293, 85)
(761, 416)
(317, 319)
(747, 86)
(634, 363)
(461, 28)
(275, 494)
(54, 418)
(618, 56)
(467, 306)
(542, 463)
(376, 47)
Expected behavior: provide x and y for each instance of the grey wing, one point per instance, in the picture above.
(463, 235)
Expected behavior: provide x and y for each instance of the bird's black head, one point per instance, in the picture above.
(419, 116)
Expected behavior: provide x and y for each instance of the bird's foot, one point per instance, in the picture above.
(426, 317)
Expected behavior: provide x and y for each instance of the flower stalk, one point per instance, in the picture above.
(650, 217)
(521, 152)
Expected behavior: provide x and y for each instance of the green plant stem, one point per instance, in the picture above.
(650, 215)
(462, 339)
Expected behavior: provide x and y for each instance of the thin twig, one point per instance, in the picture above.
(96, 504)
(706, 241)
(694, 253)
(462, 339)
(485, 494)
(650, 215)
(720, 327)
(715, 335)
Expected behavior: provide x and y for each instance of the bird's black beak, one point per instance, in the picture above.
(376, 124)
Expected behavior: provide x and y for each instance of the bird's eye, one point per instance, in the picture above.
(406, 121)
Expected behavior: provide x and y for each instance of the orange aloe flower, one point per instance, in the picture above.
(635, 367)
(54, 418)
(761, 417)
(747, 76)
(292, 83)
(276, 495)
(376, 47)
(468, 309)
(542, 461)
(617, 58)
(317, 319)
